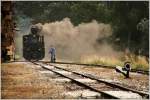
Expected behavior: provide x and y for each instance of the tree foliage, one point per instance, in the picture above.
(124, 16)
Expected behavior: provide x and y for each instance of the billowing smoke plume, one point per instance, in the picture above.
(73, 42)
(23, 26)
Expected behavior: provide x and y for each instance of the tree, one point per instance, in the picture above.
(122, 15)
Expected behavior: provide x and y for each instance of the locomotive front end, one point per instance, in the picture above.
(33, 45)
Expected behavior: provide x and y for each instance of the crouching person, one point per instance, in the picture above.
(124, 70)
(52, 52)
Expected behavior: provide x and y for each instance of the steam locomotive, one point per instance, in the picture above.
(33, 45)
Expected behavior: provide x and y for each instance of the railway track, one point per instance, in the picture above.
(106, 66)
(96, 65)
(100, 86)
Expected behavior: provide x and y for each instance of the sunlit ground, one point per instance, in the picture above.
(20, 81)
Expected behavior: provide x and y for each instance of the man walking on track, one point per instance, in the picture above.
(52, 52)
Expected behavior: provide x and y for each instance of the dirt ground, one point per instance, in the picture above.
(22, 82)
(136, 81)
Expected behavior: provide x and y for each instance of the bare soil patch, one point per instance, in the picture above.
(22, 82)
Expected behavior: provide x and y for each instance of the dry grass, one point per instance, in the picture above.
(138, 62)
(21, 82)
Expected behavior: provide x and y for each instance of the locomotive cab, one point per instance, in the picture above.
(33, 45)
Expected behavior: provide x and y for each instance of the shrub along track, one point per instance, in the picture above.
(99, 86)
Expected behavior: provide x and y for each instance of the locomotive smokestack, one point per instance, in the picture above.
(36, 29)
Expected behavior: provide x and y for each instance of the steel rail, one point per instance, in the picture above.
(80, 83)
(98, 65)
(144, 94)
(102, 66)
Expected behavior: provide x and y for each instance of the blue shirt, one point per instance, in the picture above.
(52, 51)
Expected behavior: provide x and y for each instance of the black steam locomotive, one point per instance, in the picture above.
(33, 45)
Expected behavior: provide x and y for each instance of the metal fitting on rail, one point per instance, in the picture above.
(125, 70)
